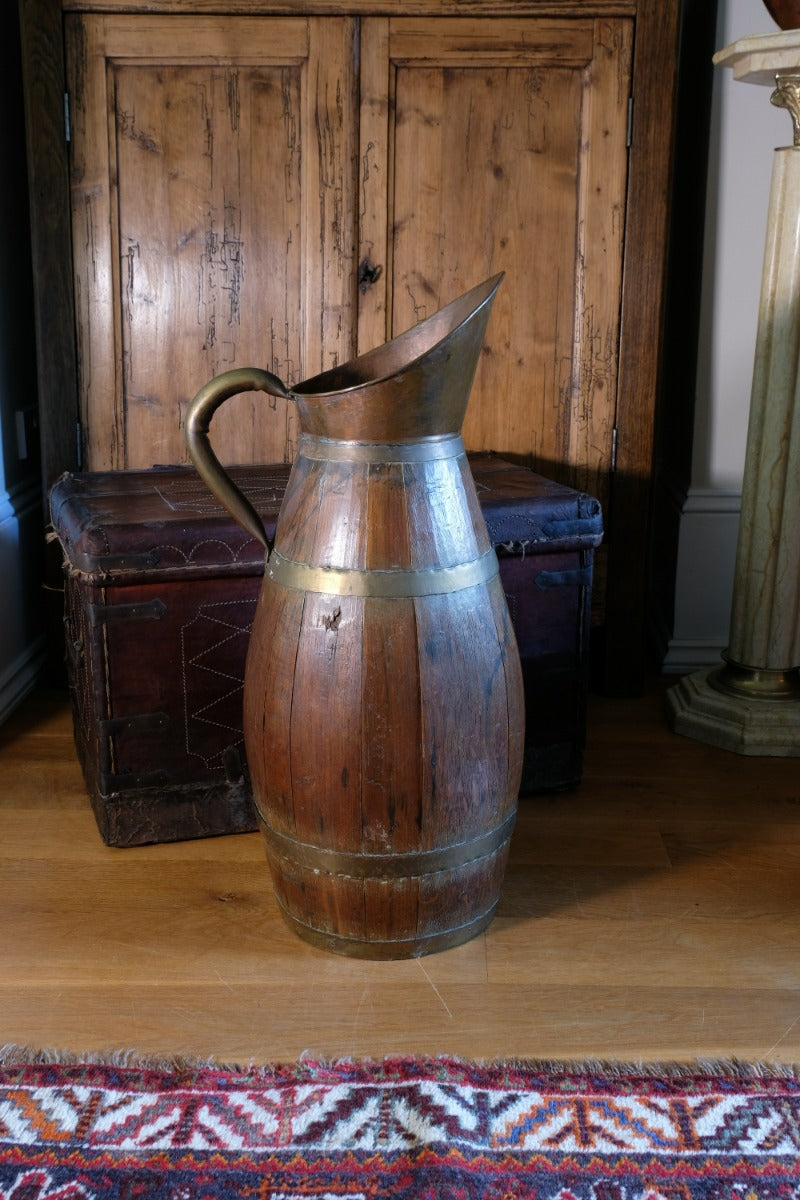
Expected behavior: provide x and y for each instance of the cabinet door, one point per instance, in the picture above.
(213, 174)
(503, 147)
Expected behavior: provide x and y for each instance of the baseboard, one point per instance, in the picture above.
(683, 657)
(20, 500)
(709, 532)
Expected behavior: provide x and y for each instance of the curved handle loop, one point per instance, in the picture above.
(198, 420)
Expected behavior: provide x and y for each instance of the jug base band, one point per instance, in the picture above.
(431, 581)
(386, 948)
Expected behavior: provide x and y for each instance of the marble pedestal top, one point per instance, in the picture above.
(759, 59)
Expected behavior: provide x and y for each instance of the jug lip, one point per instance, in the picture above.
(307, 391)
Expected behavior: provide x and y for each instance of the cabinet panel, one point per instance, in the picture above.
(504, 148)
(213, 183)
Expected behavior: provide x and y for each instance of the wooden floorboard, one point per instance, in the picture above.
(651, 913)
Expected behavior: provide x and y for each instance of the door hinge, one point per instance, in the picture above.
(614, 449)
(79, 445)
(629, 131)
(67, 124)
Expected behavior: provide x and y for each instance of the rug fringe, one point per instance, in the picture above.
(14, 1055)
(722, 1068)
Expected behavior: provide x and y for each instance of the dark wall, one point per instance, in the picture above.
(21, 512)
(675, 415)
(17, 343)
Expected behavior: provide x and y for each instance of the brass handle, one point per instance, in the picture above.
(198, 420)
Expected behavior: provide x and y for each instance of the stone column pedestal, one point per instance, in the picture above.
(751, 703)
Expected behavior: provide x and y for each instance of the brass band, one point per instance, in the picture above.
(385, 866)
(431, 581)
(424, 450)
(756, 683)
(386, 948)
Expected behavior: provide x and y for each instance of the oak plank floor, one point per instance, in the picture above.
(652, 913)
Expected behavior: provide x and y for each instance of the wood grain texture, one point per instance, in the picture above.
(374, 180)
(653, 912)
(328, 296)
(212, 186)
(509, 154)
(391, 783)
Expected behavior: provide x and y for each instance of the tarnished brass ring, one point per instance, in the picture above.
(385, 866)
(424, 450)
(756, 683)
(386, 948)
(431, 581)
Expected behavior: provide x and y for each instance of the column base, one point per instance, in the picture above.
(743, 725)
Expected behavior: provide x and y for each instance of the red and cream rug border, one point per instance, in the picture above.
(122, 1125)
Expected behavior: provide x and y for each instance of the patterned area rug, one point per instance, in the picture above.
(424, 1129)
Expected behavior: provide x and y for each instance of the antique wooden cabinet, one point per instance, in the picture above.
(289, 184)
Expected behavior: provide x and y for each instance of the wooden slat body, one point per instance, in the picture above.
(397, 725)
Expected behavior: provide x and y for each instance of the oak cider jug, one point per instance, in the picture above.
(383, 705)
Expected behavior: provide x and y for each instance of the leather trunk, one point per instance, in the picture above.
(160, 591)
